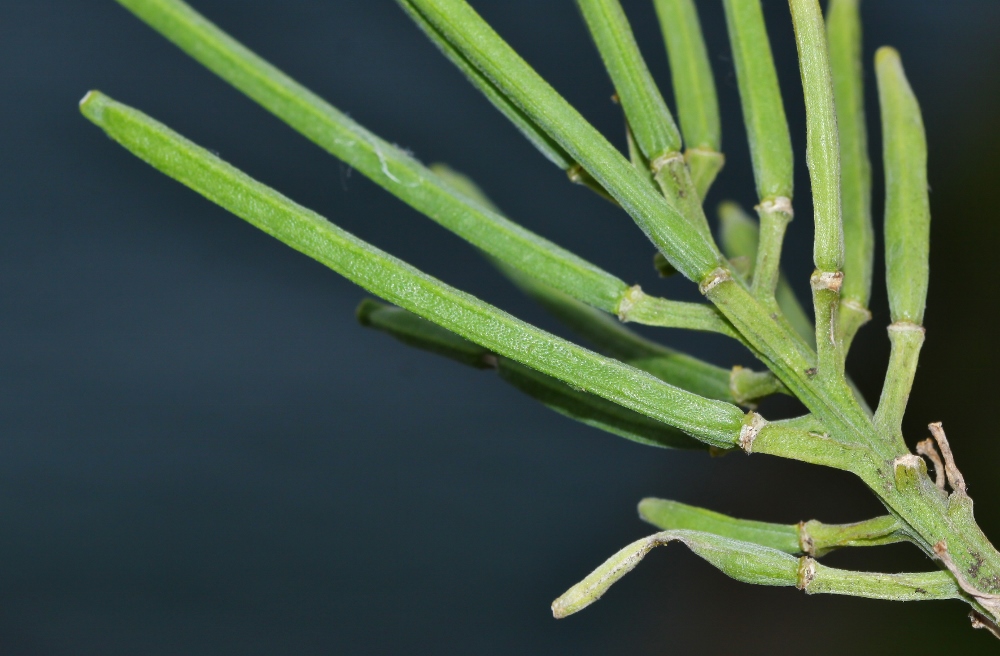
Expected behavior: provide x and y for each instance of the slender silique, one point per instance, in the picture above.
(690, 250)
(694, 90)
(843, 27)
(823, 160)
(767, 133)
(712, 421)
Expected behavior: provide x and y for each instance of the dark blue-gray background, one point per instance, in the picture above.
(202, 453)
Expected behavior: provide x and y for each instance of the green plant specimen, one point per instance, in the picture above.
(631, 386)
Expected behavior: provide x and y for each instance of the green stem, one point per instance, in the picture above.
(907, 340)
(752, 563)
(775, 215)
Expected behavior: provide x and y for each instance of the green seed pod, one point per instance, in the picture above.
(907, 208)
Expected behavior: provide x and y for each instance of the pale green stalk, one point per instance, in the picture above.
(810, 538)
(651, 123)
(843, 28)
(907, 234)
(694, 90)
(767, 133)
(713, 422)
(823, 160)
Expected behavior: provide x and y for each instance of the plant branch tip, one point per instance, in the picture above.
(92, 105)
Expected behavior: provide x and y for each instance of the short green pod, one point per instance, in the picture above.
(907, 208)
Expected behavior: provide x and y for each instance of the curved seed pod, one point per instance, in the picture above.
(743, 561)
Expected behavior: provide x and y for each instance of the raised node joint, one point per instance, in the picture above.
(827, 280)
(714, 279)
(630, 298)
(752, 426)
(807, 573)
(777, 205)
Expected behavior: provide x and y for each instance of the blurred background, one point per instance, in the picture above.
(201, 452)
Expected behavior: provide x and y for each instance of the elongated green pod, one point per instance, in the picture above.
(694, 89)
(382, 162)
(689, 248)
(743, 561)
(810, 538)
(585, 408)
(612, 338)
(907, 209)
(713, 422)
(822, 135)
(760, 96)
(651, 122)
(843, 28)
(422, 334)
